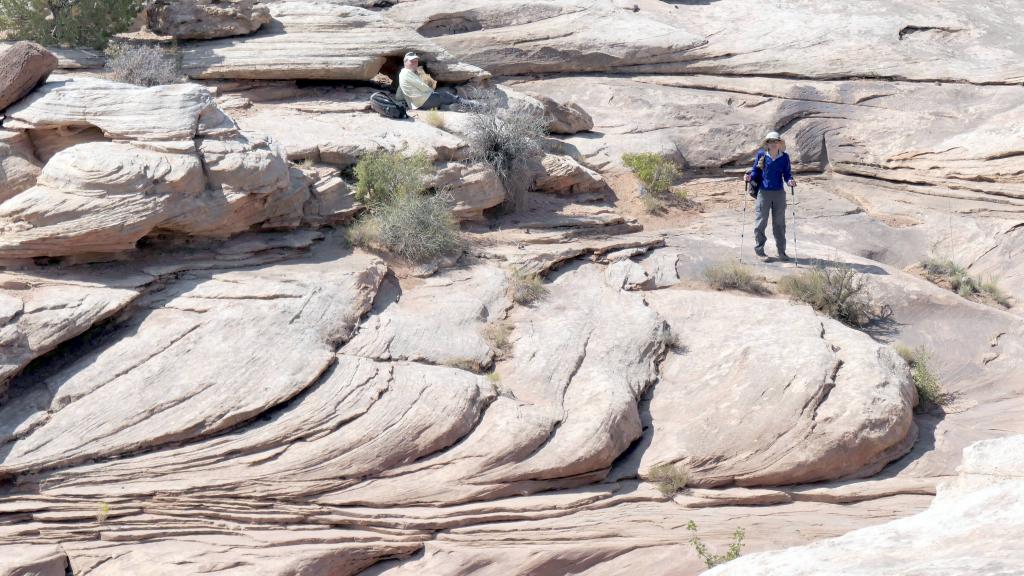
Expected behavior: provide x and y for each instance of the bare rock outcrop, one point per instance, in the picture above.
(206, 19)
(323, 40)
(19, 167)
(558, 174)
(804, 397)
(23, 66)
(563, 118)
(960, 533)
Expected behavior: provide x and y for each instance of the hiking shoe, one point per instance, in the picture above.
(784, 257)
(759, 252)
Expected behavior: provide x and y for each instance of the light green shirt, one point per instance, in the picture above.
(415, 90)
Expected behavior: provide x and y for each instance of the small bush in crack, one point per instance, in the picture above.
(144, 65)
(670, 478)
(947, 273)
(434, 118)
(527, 288)
(733, 276)
(417, 227)
(498, 335)
(383, 175)
(710, 559)
(929, 390)
(837, 291)
(657, 176)
(505, 138)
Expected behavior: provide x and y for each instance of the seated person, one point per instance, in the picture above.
(416, 93)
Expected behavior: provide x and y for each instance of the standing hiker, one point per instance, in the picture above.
(417, 93)
(772, 165)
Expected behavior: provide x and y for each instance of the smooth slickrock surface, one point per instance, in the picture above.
(793, 388)
(958, 534)
(205, 19)
(23, 66)
(319, 39)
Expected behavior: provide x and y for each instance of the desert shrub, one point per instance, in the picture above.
(657, 176)
(67, 23)
(710, 559)
(946, 272)
(505, 138)
(417, 227)
(498, 335)
(733, 276)
(670, 478)
(527, 288)
(434, 118)
(144, 64)
(929, 390)
(837, 291)
(383, 175)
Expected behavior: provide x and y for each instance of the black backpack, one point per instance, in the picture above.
(383, 104)
(756, 177)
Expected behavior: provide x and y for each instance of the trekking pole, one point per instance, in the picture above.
(743, 219)
(792, 192)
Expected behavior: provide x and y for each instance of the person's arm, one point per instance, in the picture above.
(787, 172)
(753, 169)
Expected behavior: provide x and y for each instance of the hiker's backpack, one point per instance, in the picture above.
(756, 177)
(383, 104)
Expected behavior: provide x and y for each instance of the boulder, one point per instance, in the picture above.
(568, 118)
(206, 19)
(23, 66)
(18, 165)
(32, 560)
(831, 403)
(473, 188)
(958, 534)
(319, 40)
(557, 174)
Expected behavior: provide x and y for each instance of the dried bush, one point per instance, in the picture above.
(383, 175)
(929, 390)
(670, 478)
(710, 559)
(505, 138)
(498, 335)
(67, 23)
(527, 288)
(733, 276)
(837, 291)
(434, 118)
(144, 64)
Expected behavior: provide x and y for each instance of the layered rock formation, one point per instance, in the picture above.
(206, 19)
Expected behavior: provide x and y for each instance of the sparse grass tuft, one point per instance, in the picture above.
(929, 390)
(711, 560)
(670, 478)
(434, 118)
(947, 273)
(732, 275)
(657, 176)
(306, 164)
(102, 512)
(837, 291)
(464, 364)
(144, 65)
(498, 335)
(527, 288)
(383, 175)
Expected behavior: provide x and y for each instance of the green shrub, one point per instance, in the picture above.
(711, 560)
(670, 478)
(929, 391)
(505, 138)
(527, 288)
(655, 172)
(837, 291)
(144, 65)
(67, 23)
(733, 276)
(416, 227)
(383, 175)
(946, 272)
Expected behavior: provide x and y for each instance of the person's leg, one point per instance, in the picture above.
(761, 209)
(779, 221)
(438, 99)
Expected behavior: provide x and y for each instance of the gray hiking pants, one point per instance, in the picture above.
(438, 99)
(771, 202)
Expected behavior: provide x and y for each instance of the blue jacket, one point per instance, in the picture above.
(776, 172)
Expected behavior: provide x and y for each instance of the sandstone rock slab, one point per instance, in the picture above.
(558, 174)
(23, 66)
(19, 167)
(206, 19)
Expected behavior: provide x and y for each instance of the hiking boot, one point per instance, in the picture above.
(759, 252)
(784, 257)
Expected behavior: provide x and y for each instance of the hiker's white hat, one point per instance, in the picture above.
(409, 56)
(773, 135)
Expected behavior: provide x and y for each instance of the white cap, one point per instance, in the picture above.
(411, 56)
(773, 135)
